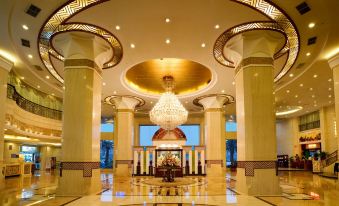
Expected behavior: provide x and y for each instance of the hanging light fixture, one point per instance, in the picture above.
(168, 112)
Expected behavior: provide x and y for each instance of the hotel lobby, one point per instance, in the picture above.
(169, 103)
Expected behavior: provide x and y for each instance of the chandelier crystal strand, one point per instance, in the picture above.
(168, 112)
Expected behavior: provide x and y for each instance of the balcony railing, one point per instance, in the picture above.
(31, 106)
(310, 125)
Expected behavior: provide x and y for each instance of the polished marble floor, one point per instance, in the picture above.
(299, 188)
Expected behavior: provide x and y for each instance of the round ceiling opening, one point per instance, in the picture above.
(189, 76)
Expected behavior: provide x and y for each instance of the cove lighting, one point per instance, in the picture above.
(290, 110)
(7, 56)
(332, 53)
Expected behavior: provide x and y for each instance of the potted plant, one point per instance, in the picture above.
(316, 156)
(323, 155)
(292, 162)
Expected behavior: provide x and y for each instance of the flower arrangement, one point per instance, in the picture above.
(168, 160)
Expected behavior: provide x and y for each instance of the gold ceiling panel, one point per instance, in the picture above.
(189, 76)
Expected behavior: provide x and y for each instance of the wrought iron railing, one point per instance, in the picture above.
(330, 159)
(31, 106)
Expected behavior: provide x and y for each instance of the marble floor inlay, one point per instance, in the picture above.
(299, 188)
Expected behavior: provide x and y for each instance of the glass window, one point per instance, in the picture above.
(192, 132)
(107, 127)
(231, 152)
(28, 149)
(231, 126)
(106, 154)
(146, 134)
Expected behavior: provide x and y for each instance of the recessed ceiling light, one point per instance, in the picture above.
(329, 89)
(329, 96)
(168, 41)
(299, 102)
(329, 80)
(308, 54)
(301, 85)
(315, 76)
(63, 87)
(25, 27)
(222, 91)
(291, 75)
(132, 46)
(151, 102)
(114, 92)
(311, 89)
(104, 84)
(287, 91)
(296, 96)
(117, 27)
(233, 83)
(38, 86)
(311, 25)
(22, 78)
(52, 94)
(273, 93)
(330, 102)
(30, 56)
(203, 45)
(47, 77)
(217, 26)
(313, 96)
(167, 20)
(186, 102)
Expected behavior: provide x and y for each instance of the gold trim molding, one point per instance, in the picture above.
(56, 24)
(280, 22)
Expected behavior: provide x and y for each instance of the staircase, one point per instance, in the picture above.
(328, 165)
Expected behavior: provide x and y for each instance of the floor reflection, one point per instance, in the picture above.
(299, 188)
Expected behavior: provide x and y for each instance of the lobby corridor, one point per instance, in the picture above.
(299, 188)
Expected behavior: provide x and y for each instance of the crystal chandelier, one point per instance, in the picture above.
(168, 112)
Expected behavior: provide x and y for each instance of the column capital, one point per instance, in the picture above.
(82, 46)
(334, 61)
(124, 103)
(6, 64)
(213, 102)
(257, 43)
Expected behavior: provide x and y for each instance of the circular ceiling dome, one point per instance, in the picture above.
(189, 76)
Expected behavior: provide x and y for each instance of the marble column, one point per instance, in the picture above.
(334, 64)
(80, 153)
(124, 135)
(215, 141)
(256, 138)
(5, 67)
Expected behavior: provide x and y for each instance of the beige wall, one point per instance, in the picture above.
(7, 152)
(287, 137)
(46, 152)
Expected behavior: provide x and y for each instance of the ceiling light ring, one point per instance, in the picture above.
(59, 17)
(275, 13)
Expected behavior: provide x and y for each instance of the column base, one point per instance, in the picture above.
(73, 183)
(214, 168)
(123, 170)
(264, 182)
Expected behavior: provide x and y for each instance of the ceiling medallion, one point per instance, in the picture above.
(57, 24)
(280, 22)
(168, 112)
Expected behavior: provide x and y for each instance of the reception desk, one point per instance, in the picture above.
(15, 169)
